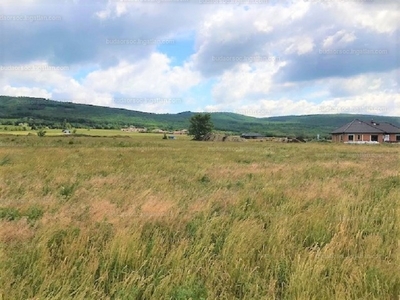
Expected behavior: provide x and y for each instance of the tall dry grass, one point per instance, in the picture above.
(132, 218)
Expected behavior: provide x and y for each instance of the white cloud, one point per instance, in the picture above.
(368, 103)
(339, 39)
(233, 31)
(378, 16)
(114, 9)
(363, 94)
(39, 79)
(245, 82)
(263, 25)
(285, 29)
(360, 84)
(300, 45)
(24, 91)
(385, 19)
(151, 77)
(104, 14)
(379, 103)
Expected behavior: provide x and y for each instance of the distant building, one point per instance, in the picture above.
(158, 131)
(134, 129)
(360, 132)
(180, 132)
(252, 135)
(67, 131)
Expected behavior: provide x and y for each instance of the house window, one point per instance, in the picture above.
(374, 137)
(351, 137)
(398, 138)
(358, 137)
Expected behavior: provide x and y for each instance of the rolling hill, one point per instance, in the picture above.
(44, 112)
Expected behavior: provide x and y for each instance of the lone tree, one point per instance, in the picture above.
(200, 125)
(66, 125)
(41, 133)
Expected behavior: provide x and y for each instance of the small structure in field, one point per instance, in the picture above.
(360, 132)
(67, 131)
(134, 129)
(181, 132)
(158, 131)
(216, 137)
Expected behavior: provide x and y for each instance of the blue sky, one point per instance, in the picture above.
(266, 59)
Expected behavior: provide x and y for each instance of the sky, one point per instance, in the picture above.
(254, 57)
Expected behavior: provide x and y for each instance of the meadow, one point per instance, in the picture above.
(79, 131)
(138, 217)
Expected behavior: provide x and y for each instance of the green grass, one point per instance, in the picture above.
(92, 133)
(139, 217)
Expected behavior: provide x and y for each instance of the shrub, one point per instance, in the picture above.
(67, 190)
(205, 179)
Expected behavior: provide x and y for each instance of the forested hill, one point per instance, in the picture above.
(43, 112)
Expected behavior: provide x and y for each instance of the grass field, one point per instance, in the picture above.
(79, 131)
(139, 217)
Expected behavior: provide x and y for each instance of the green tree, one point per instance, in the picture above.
(41, 133)
(200, 125)
(66, 125)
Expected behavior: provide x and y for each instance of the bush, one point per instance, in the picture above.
(67, 190)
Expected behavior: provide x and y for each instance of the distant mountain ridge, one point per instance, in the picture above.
(39, 111)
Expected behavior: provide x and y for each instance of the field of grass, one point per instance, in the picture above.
(139, 217)
(80, 131)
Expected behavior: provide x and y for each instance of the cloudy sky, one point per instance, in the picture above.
(254, 57)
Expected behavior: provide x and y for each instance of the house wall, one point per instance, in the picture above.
(392, 137)
(365, 137)
(336, 138)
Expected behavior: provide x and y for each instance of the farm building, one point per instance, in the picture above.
(252, 135)
(159, 131)
(180, 132)
(358, 131)
(134, 129)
